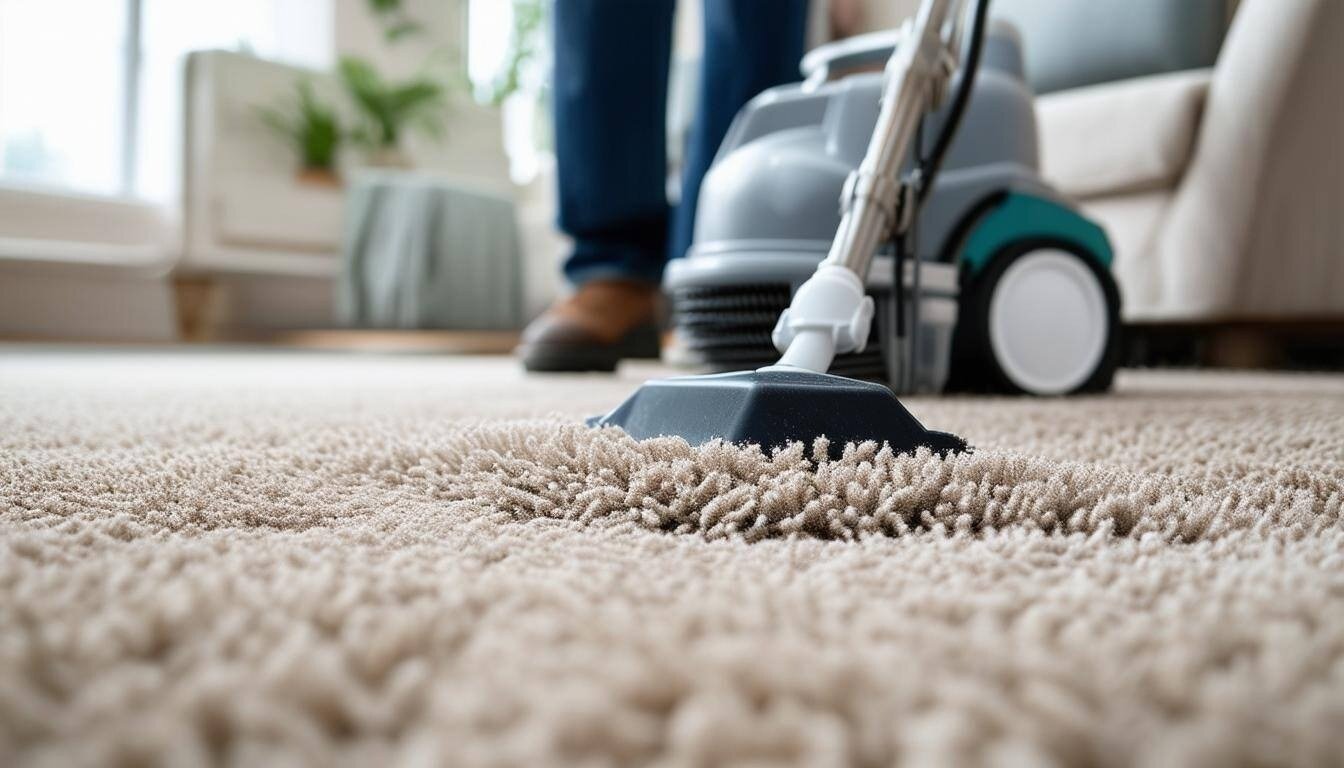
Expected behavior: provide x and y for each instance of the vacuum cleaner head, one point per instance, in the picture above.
(772, 407)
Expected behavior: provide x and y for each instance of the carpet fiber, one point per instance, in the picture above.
(262, 558)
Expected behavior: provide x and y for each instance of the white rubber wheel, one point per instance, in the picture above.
(1048, 322)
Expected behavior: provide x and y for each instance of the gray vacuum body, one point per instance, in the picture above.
(768, 212)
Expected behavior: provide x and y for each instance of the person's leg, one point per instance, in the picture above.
(611, 64)
(750, 45)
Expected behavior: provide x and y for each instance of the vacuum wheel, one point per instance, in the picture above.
(1042, 319)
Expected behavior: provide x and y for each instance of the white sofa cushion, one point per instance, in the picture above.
(1126, 136)
(277, 212)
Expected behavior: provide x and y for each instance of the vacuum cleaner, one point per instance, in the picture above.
(998, 282)
(831, 313)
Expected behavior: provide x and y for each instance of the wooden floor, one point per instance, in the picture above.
(456, 342)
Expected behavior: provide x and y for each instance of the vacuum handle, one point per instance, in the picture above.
(917, 73)
(831, 313)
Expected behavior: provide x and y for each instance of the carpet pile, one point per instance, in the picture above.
(336, 560)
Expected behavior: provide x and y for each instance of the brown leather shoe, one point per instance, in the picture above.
(603, 322)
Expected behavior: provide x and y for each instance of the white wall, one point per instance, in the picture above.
(885, 14)
(358, 33)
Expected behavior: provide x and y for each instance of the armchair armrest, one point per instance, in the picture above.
(1125, 136)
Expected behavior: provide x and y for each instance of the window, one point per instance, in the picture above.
(62, 92)
(496, 30)
(91, 90)
(489, 27)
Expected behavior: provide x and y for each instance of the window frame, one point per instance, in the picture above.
(131, 56)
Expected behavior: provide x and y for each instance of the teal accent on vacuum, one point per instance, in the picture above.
(1022, 216)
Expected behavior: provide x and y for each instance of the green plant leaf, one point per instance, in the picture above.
(400, 29)
(388, 108)
(310, 126)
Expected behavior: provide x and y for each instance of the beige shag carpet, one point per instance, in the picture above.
(329, 560)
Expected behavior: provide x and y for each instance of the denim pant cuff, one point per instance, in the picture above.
(614, 264)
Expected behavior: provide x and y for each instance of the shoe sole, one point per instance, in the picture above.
(641, 342)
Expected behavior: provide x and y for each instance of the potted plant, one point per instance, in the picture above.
(389, 109)
(313, 129)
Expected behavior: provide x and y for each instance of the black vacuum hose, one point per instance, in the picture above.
(926, 171)
(930, 164)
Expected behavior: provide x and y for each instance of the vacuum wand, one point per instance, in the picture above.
(831, 313)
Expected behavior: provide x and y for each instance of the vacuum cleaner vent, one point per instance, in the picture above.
(727, 328)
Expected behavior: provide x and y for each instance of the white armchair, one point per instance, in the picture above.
(260, 249)
(1222, 189)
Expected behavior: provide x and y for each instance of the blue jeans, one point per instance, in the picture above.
(611, 64)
